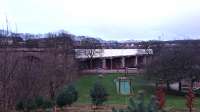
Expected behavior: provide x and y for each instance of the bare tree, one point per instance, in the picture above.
(175, 64)
(7, 75)
(60, 69)
(26, 76)
(90, 47)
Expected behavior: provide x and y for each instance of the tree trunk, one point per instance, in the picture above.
(180, 85)
(192, 83)
(54, 109)
(156, 84)
(168, 85)
(90, 63)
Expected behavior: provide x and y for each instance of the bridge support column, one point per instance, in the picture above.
(145, 60)
(136, 61)
(111, 63)
(104, 63)
(122, 62)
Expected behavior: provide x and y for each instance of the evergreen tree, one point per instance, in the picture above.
(25, 105)
(20, 106)
(120, 110)
(39, 101)
(153, 105)
(137, 104)
(68, 96)
(98, 94)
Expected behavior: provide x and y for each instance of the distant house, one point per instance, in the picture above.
(115, 59)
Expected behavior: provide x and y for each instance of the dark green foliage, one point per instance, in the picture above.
(173, 65)
(61, 99)
(68, 96)
(27, 104)
(74, 94)
(120, 110)
(98, 94)
(47, 104)
(153, 105)
(20, 106)
(30, 104)
(39, 101)
(137, 104)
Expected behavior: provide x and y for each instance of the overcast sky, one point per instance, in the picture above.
(106, 19)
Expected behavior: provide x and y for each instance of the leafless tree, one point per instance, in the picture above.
(60, 69)
(7, 74)
(90, 47)
(25, 76)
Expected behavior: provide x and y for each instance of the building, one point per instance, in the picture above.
(113, 59)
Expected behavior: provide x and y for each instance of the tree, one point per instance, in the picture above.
(24, 75)
(174, 64)
(26, 105)
(91, 47)
(153, 104)
(8, 70)
(98, 94)
(39, 101)
(60, 69)
(137, 104)
(190, 99)
(120, 110)
(68, 96)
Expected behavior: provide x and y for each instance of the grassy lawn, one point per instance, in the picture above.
(86, 82)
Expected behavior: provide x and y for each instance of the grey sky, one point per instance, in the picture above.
(107, 19)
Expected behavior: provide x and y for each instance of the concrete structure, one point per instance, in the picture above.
(114, 59)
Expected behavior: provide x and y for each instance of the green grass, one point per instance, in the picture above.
(85, 83)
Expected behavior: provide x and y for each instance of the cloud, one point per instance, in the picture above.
(108, 19)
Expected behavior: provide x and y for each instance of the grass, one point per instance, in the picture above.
(86, 82)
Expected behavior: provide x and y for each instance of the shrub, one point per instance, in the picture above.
(26, 104)
(137, 104)
(29, 104)
(47, 104)
(120, 110)
(73, 93)
(20, 106)
(98, 94)
(39, 101)
(153, 104)
(68, 96)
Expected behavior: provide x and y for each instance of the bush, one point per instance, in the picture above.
(39, 101)
(98, 94)
(137, 104)
(30, 104)
(68, 96)
(27, 104)
(47, 104)
(20, 106)
(153, 105)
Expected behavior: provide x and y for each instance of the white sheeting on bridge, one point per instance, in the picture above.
(105, 53)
